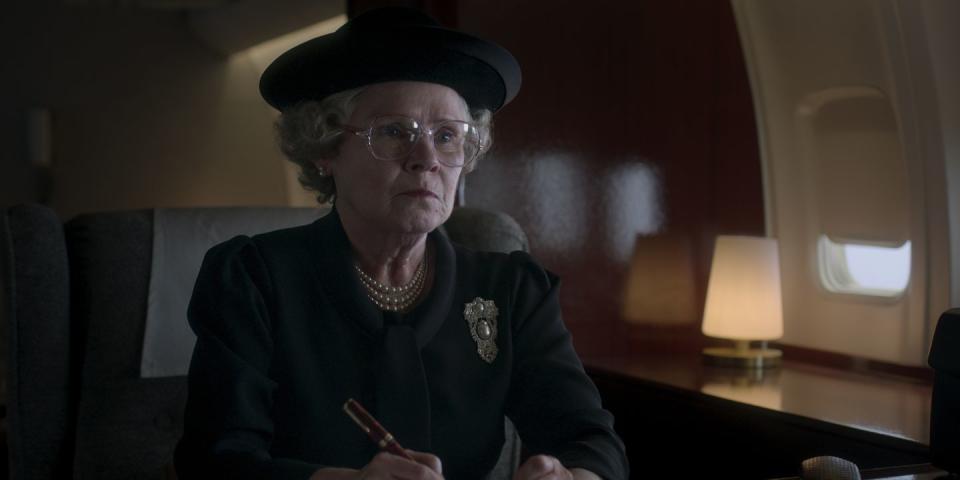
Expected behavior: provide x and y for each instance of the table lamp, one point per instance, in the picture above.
(743, 301)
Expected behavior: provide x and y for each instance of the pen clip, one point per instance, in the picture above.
(351, 408)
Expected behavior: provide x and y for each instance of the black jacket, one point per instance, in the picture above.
(285, 334)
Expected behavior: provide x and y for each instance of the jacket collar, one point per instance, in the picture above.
(334, 261)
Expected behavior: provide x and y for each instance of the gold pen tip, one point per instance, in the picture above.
(347, 407)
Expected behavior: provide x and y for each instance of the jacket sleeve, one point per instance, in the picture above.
(552, 401)
(228, 424)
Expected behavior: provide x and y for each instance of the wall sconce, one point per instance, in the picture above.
(743, 301)
(660, 284)
(39, 126)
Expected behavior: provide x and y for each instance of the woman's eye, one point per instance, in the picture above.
(445, 136)
(391, 131)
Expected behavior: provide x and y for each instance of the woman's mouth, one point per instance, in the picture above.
(419, 193)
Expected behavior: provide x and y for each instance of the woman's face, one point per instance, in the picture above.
(413, 194)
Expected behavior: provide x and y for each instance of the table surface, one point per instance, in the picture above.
(891, 406)
(906, 472)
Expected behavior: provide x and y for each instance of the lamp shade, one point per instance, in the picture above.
(743, 296)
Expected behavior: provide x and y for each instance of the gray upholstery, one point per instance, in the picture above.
(485, 230)
(36, 299)
(77, 404)
(126, 426)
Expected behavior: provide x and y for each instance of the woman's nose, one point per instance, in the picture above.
(423, 155)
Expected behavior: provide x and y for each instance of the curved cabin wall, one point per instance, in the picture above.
(847, 114)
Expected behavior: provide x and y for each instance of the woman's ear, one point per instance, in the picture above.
(323, 166)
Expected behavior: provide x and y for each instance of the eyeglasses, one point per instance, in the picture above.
(392, 137)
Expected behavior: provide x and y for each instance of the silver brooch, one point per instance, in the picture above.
(481, 316)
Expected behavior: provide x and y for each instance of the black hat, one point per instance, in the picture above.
(392, 44)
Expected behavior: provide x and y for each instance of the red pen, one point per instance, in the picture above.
(372, 427)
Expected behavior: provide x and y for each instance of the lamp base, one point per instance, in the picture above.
(742, 356)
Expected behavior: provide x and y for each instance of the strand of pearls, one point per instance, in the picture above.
(394, 299)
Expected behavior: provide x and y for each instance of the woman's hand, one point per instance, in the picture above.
(545, 467)
(386, 466)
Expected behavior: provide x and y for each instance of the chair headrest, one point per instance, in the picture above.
(945, 350)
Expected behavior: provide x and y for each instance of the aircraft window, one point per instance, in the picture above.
(862, 269)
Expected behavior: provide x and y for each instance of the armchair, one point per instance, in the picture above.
(945, 406)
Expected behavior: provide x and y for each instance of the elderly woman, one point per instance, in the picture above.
(372, 302)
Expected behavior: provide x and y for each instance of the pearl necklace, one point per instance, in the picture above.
(394, 299)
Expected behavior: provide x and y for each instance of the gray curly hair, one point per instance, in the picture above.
(311, 130)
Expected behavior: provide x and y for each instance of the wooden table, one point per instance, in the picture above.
(679, 416)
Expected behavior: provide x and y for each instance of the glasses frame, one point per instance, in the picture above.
(421, 129)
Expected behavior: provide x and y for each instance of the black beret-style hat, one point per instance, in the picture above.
(392, 44)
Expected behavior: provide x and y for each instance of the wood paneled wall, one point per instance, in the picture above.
(635, 118)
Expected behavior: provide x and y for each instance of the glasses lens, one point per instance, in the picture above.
(456, 142)
(392, 137)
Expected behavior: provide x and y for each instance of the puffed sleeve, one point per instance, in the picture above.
(227, 422)
(552, 401)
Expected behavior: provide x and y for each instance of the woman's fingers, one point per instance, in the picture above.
(427, 459)
(388, 466)
(542, 467)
